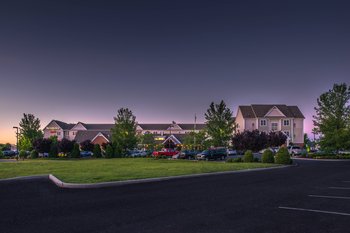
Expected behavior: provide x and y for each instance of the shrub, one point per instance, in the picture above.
(303, 154)
(1, 154)
(22, 154)
(97, 151)
(109, 151)
(256, 160)
(267, 157)
(87, 145)
(282, 156)
(234, 160)
(33, 154)
(248, 157)
(76, 151)
(53, 150)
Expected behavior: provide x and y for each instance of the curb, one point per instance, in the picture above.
(25, 178)
(322, 160)
(62, 184)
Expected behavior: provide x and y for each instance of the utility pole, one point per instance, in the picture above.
(194, 131)
(17, 134)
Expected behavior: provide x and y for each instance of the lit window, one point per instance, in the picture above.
(263, 122)
(286, 122)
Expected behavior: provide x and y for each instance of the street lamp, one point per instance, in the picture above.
(17, 134)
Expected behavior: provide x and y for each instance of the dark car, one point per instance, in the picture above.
(213, 154)
(188, 154)
(9, 153)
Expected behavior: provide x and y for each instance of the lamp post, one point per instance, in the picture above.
(17, 134)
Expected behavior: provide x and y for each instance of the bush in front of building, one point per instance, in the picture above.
(97, 151)
(53, 150)
(248, 157)
(234, 160)
(282, 156)
(33, 154)
(76, 151)
(1, 154)
(22, 154)
(109, 153)
(267, 157)
(86, 145)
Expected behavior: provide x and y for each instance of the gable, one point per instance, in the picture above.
(174, 127)
(79, 126)
(52, 126)
(274, 112)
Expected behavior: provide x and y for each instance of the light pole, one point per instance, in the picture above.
(15, 127)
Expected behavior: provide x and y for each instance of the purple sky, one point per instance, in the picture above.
(166, 60)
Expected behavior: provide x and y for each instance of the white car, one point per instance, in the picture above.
(294, 150)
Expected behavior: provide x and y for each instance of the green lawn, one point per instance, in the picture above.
(99, 170)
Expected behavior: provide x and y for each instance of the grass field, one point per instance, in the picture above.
(99, 170)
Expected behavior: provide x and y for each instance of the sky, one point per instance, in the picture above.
(166, 60)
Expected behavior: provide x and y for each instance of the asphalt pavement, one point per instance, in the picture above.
(311, 197)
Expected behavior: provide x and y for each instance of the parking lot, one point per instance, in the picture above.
(310, 197)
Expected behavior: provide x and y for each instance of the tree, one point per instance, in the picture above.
(76, 151)
(53, 149)
(30, 127)
(86, 145)
(220, 123)
(332, 118)
(124, 131)
(276, 139)
(42, 145)
(24, 143)
(6, 146)
(97, 151)
(65, 146)
(250, 140)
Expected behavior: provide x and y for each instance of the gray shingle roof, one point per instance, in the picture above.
(64, 125)
(260, 110)
(83, 135)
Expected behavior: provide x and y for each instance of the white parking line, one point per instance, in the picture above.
(317, 211)
(338, 187)
(332, 197)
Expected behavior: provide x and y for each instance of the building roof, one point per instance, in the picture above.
(260, 110)
(166, 126)
(98, 126)
(64, 125)
(83, 135)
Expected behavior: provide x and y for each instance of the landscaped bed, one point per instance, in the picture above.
(101, 170)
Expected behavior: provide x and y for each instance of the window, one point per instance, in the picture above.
(58, 133)
(74, 133)
(263, 122)
(274, 126)
(286, 133)
(286, 122)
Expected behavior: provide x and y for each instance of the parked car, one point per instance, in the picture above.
(9, 153)
(187, 154)
(86, 153)
(231, 152)
(138, 153)
(213, 154)
(165, 152)
(294, 150)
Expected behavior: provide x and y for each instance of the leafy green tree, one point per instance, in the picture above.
(30, 127)
(65, 146)
(220, 123)
(1, 154)
(76, 151)
(22, 154)
(97, 151)
(332, 118)
(42, 145)
(87, 145)
(124, 132)
(24, 143)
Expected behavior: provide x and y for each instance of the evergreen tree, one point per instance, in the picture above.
(97, 151)
(332, 119)
(220, 123)
(124, 132)
(76, 151)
